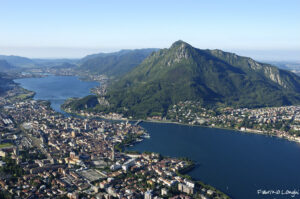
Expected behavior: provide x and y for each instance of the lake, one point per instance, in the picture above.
(57, 89)
(237, 163)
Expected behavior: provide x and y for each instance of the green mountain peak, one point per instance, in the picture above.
(211, 77)
(179, 43)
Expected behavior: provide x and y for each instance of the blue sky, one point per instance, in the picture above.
(264, 29)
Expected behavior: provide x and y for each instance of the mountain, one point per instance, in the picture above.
(213, 77)
(5, 66)
(63, 65)
(5, 83)
(18, 61)
(114, 64)
(56, 62)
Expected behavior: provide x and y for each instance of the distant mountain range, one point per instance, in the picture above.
(213, 77)
(55, 62)
(18, 61)
(114, 64)
(5, 66)
(149, 81)
(111, 64)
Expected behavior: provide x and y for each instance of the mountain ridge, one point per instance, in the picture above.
(18, 61)
(114, 64)
(212, 77)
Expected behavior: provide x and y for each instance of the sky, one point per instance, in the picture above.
(263, 29)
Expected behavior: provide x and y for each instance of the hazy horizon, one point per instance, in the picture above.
(262, 29)
(66, 53)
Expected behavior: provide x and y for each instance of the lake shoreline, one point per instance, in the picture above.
(246, 131)
(210, 160)
(219, 191)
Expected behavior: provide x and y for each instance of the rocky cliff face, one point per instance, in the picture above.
(269, 71)
(273, 74)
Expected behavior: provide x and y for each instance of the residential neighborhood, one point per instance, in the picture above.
(283, 122)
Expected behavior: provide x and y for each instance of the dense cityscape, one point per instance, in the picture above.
(45, 154)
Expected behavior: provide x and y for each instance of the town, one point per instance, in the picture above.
(45, 154)
(283, 122)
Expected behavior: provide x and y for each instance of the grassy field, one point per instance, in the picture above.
(5, 145)
(24, 96)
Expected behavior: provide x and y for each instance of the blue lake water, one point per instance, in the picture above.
(57, 89)
(237, 163)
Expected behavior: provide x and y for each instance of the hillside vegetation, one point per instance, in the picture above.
(212, 77)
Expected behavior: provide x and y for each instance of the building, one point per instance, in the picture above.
(2, 153)
(148, 195)
(185, 188)
(2, 163)
(113, 153)
(16, 150)
(72, 155)
(164, 192)
(73, 195)
(189, 183)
